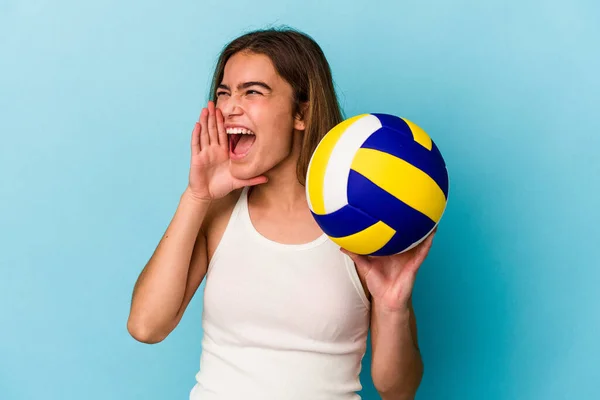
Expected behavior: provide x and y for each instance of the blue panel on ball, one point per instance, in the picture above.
(393, 122)
(343, 222)
(410, 224)
(436, 152)
(391, 142)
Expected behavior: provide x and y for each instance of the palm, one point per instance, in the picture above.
(209, 171)
(210, 177)
(390, 279)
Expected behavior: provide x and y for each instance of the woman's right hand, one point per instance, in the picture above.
(210, 177)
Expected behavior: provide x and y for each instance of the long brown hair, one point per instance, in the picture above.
(300, 61)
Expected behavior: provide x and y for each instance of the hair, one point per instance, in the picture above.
(300, 61)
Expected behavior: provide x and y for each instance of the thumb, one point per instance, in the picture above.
(237, 184)
(362, 262)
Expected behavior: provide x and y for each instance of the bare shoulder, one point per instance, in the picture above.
(217, 218)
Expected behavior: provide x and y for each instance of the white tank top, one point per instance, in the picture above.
(280, 321)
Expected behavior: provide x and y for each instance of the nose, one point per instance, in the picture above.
(230, 106)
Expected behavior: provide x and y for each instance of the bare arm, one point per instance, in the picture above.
(397, 367)
(172, 275)
(178, 265)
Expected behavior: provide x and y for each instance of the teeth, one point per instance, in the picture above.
(239, 131)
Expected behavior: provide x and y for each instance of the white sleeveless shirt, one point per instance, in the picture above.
(280, 321)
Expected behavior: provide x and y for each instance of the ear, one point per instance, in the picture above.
(300, 120)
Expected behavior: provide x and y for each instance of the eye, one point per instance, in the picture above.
(253, 92)
(221, 93)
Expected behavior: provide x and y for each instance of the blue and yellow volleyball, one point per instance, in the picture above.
(377, 184)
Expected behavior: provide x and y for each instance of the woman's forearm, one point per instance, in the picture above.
(397, 367)
(159, 291)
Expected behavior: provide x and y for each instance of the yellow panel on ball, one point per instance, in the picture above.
(402, 180)
(368, 240)
(419, 134)
(377, 184)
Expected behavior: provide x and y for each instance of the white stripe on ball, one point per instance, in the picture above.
(335, 183)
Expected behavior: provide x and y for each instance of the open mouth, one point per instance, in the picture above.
(240, 141)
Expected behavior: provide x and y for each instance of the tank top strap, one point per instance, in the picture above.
(230, 229)
(238, 210)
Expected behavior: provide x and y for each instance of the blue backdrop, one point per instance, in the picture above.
(97, 102)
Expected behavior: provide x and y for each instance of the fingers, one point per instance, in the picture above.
(212, 124)
(424, 246)
(204, 140)
(428, 241)
(222, 134)
(421, 251)
(357, 258)
(363, 266)
(195, 145)
(210, 129)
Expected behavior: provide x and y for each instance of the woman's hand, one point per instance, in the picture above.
(210, 177)
(390, 279)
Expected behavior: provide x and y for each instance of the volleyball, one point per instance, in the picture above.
(377, 184)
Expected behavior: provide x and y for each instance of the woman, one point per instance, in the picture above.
(286, 311)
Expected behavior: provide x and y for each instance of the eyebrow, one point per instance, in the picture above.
(246, 85)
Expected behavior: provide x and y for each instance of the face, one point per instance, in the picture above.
(257, 107)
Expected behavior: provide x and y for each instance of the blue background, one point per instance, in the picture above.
(97, 102)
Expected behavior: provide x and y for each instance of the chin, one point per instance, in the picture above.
(244, 170)
(255, 163)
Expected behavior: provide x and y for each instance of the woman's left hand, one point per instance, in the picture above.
(390, 279)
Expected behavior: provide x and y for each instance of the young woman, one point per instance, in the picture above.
(286, 311)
